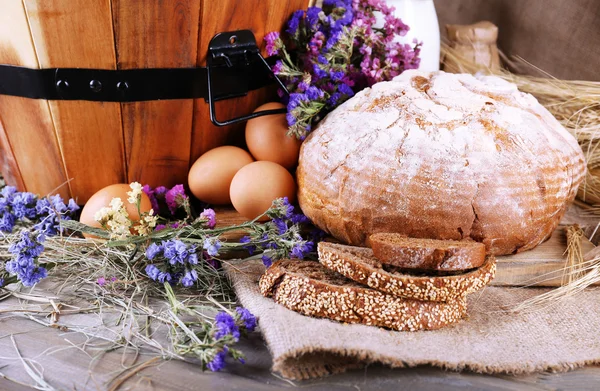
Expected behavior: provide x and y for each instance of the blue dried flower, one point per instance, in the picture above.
(23, 205)
(7, 222)
(25, 253)
(312, 17)
(301, 249)
(218, 361)
(247, 318)
(225, 325)
(281, 226)
(152, 272)
(212, 246)
(345, 89)
(164, 277)
(175, 251)
(294, 22)
(266, 260)
(153, 250)
(189, 278)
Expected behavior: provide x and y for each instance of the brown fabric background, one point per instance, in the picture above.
(561, 37)
(491, 340)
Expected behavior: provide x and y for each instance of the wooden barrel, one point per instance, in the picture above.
(77, 147)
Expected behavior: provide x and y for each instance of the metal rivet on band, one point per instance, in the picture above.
(95, 85)
(122, 86)
(62, 85)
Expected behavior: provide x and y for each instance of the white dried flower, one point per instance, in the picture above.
(135, 195)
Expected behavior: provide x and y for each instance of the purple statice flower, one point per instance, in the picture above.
(272, 41)
(314, 93)
(250, 248)
(101, 281)
(175, 198)
(23, 205)
(72, 206)
(164, 277)
(299, 218)
(25, 253)
(344, 89)
(225, 325)
(7, 192)
(153, 250)
(153, 201)
(212, 246)
(248, 320)
(7, 222)
(1, 282)
(301, 249)
(294, 22)
(152, 272)
(160, 227)
(281, 225)
(210, 216)
(266, 260)
(175, 251)
(312, 17)
(318, 72)
(218, 361)
(189, 278)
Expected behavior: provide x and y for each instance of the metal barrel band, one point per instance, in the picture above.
(234, 67)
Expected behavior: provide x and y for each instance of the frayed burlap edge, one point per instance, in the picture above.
(314, 363)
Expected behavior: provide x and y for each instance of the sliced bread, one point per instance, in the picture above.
(311, 289)
(427, 254)
(359, 264)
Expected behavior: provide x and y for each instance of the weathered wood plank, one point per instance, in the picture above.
(266, 16)
(28, 131)
(78, 33)
(541, 266)
(157, 34)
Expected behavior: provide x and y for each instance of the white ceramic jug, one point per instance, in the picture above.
(421, 17)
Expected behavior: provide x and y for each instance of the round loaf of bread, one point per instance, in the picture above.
(440, 156)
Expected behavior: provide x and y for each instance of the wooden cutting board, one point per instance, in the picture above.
(541, 266)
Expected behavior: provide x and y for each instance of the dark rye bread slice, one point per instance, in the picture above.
(427, 254)
(311, 289)
(359, 264)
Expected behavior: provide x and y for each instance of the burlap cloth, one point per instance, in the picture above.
(491, 340)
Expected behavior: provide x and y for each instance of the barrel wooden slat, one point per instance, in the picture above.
(157, 34)
(9, 169)
(79, 33)
(260, 16)
(27, 125)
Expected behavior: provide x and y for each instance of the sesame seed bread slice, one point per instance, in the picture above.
(359, 264)
(311, 289)
(427, 254)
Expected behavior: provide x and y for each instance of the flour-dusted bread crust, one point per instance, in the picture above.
(359, 264)
(427, 254)
(440, 156)
(311, 289)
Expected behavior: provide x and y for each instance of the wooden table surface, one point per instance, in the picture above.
(69, 361)
(63, 359)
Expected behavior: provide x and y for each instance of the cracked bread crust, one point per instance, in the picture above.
(359, 264)
(427, 254)
(440, 156)
(311, 289)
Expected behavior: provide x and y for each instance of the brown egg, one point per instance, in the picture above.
(102, 199)
(267, 138)
(210, 176)
(255, 186)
